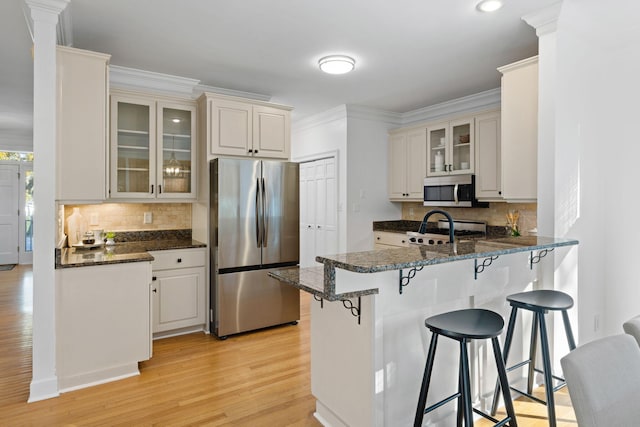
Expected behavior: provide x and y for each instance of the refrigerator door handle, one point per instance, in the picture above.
(258, 215)
(265, 215)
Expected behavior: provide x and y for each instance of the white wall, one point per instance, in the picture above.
(367, 192)
(321, 134)
(597, 154)
(360, 139)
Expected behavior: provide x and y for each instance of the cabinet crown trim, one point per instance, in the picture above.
(131, 78)
(520, 64)
(207, 95)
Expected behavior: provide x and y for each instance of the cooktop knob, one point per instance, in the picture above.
(412, 239)
(420, 241)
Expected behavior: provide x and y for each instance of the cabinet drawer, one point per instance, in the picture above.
(390, 239)
(181, 258)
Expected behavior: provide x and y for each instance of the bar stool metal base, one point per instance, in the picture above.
(540, 302)
(465, 326)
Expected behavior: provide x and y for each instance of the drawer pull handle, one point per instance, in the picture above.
(179, 259)
(153, 278)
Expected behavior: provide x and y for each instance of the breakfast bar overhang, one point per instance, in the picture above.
(368, 339)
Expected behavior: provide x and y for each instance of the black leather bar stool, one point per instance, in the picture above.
(539, 302)
(465, 326)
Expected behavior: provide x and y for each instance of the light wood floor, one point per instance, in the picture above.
(257, 379)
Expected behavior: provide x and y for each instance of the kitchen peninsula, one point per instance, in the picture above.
(368, 340)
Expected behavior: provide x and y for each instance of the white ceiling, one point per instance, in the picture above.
(409, 53)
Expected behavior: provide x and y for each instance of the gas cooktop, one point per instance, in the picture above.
(440, 234)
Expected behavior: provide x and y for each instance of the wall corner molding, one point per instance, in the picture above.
(545, 21)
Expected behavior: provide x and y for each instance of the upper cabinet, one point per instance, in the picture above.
(450, 146)
(519, 139)
(407, 164)
(81, 148)
(152, 148)
(488, 157)
(242, 127)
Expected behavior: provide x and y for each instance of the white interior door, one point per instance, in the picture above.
(9, 213)
(319, 210)
(307, 215)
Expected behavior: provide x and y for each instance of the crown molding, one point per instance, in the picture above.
(488, 99)
(545, 21)
(333, 114)
(519, 64)
(368, 113)
(200, 89)
(132, 79)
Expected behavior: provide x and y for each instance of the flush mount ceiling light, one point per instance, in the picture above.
(176, 120)
(489, 5)
(337, 64)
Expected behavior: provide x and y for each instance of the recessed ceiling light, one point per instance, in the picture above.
(489, 5)
(337, 64)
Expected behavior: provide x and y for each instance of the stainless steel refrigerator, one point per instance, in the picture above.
(254, 228)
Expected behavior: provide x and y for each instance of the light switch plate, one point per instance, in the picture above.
(93, 219)
(148, 217)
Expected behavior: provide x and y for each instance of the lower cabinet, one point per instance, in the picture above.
(388, 240)
(178, 291)
(102, 325)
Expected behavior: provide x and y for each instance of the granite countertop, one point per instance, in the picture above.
(120, 252)
(420, 255)
(320, 281)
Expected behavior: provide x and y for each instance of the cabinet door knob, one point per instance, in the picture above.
(155, 291)
(255, 151)
(154, 278)
(378, 238)
(318, 226)
(179, 259)
(309, 226)
(250, 151)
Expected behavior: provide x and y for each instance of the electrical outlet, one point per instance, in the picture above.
(93, 219)
(411, 212)
(148, 218)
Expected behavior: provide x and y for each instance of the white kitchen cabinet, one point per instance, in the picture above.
(103, 322)
(488, 157)
(178, 290)
(318, 210)
(389, 240)
(152, 148)
(519, 137)
(407, 164)
(81, 142)
(241, 127)
(451, 147)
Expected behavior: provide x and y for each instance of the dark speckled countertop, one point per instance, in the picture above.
(130, 251)
(321, 281)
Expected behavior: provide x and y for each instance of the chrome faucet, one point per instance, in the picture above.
(423, 224)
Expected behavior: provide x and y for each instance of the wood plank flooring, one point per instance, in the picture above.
(257, 379)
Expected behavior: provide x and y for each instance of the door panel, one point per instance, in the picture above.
(235, 192)
(282, 212)
(251, 300)
(9, 205)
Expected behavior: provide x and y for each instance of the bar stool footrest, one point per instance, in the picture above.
(530, 396)
(442, 402)
(498, 423)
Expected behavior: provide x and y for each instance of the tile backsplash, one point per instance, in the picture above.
(495, 214)
(130, 216)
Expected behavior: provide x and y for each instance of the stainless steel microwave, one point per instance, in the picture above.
(451, 190)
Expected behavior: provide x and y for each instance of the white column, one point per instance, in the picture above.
(558, 178)
(44, 383)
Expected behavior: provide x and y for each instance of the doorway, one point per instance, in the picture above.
(318, 209)
(9, 213)
(16, 213)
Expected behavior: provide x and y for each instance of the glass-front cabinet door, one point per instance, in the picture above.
(176, 158)
(152, 148)
(132, 148)
(450, 147)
